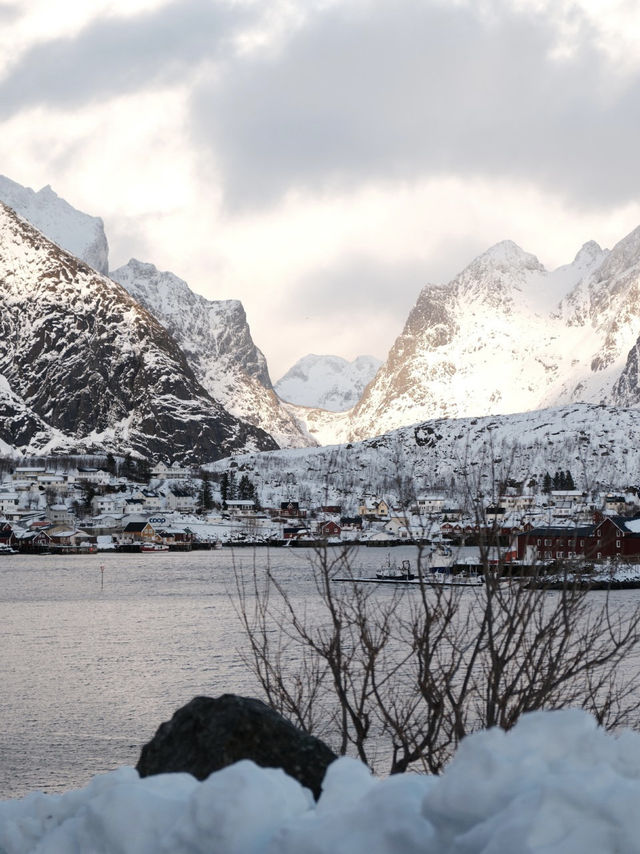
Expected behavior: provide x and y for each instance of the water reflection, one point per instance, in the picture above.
(89, 673)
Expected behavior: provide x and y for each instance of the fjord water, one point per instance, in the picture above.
(91, 663)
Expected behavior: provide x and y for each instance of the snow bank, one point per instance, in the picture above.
(555, 784)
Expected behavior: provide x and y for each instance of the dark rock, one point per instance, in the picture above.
(208, 734)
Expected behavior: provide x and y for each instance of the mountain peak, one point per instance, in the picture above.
(69, 228)
(508, 254)
(327, 382)
(588, 253)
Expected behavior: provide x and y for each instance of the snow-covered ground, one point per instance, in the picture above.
(555, 784)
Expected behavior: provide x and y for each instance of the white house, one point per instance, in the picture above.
(431, 504)
(9, 502)
(172, 472)
(181, 503)
(110, 503)
(98, 477)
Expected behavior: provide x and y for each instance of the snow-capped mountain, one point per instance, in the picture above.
(77, 232)
(216, 340)
(493, 340)
(327, 382)
(599, 444)
(86, 368)
(507, 335)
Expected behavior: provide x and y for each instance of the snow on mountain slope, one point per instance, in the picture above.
(599, 444)
(492, 340)
(323, 426)
(215, 338)
(77, 232)
(602, 315)
(92, 368)
(327, 382)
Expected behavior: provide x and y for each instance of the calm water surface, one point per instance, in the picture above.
(89, 672)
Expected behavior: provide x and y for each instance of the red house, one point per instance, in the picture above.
(328, 529)
(610, 536)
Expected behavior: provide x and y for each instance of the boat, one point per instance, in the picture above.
(7, 550)
(154, 547)
(392, 572)
(439, 576)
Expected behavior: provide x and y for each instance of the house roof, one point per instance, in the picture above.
(132, 527)
(560, 531)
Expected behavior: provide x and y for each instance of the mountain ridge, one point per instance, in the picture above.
(93, 369)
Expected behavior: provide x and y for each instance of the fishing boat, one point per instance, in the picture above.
(154, 547)
(438, 575)
(393, 572)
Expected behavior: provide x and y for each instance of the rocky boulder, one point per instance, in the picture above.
(208, 734)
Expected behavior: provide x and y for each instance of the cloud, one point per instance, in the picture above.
(397, 90)
(9, 12)
(357, 286)
(118, 55)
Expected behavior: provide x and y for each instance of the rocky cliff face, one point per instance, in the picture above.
(77, 232)
(215, 337)
(92, 368)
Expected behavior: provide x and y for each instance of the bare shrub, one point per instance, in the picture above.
(397, 677)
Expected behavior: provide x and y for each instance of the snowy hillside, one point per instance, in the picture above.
(215, 338)
(77, 232)
(327, 382)
(85, 368)
(600, 445)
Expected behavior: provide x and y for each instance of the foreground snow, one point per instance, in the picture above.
(556, 783)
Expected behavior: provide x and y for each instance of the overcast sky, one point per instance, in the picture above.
(322, 160)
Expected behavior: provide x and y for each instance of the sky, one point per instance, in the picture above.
(323, 160)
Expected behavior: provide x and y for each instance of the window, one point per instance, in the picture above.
(560, 554)
(617, 544)
(547, 542)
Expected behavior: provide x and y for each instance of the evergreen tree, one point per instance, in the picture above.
(233, 487)
(110, 464)
(89, 492)
(205, 499)
(128, 467)
(246, 490)
(224, 488)
(569, 480)
(143, 470)
(546, 483)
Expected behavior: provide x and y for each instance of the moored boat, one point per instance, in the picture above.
(154, 547)
(393, 572)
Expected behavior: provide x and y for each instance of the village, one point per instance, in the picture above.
(84, 509)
